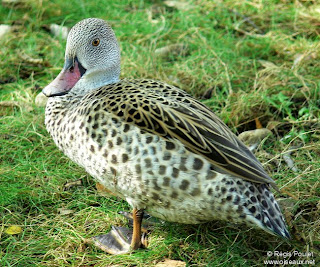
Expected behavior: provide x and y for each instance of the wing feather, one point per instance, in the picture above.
(171, 113)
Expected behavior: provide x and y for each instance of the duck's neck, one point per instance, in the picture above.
(89, 82)
(92, 81)
(96, 78)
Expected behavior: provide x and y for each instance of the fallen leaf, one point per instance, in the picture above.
(171, 263)
(71, 184)
(273, 125)
(288, 160)
(254, 136)
(4, 29)
(258, 123)
(268, 64)
(41, 100)
(58, 30)
(180, 5)
(13, 230)
(172, 50)
(299, 58)
(64, 211)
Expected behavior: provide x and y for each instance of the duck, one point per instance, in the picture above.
(152, 145)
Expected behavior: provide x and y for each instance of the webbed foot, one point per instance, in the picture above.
(121, 240)
(118, 241)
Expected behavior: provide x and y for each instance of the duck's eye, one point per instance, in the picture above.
(96, 42)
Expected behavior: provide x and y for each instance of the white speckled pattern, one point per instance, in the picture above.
(156, 147)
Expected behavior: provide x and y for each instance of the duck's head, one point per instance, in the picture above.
(92, 59)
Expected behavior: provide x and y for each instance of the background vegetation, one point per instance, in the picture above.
(250, 61)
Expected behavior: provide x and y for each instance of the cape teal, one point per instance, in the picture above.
(152, 144)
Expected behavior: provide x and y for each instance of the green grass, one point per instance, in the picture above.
(240, 62)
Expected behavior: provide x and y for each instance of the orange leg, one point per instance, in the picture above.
(137, 216)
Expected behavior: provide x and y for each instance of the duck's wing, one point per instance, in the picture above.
(171, 113)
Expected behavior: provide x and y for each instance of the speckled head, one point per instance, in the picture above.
(92, 59)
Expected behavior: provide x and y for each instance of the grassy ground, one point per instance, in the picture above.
(245, 60)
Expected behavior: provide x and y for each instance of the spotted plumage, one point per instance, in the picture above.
(152, 144)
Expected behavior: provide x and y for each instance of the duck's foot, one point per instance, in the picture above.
(122, 240)
(119, 241)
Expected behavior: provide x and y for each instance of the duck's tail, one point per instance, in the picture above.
(263, 211)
